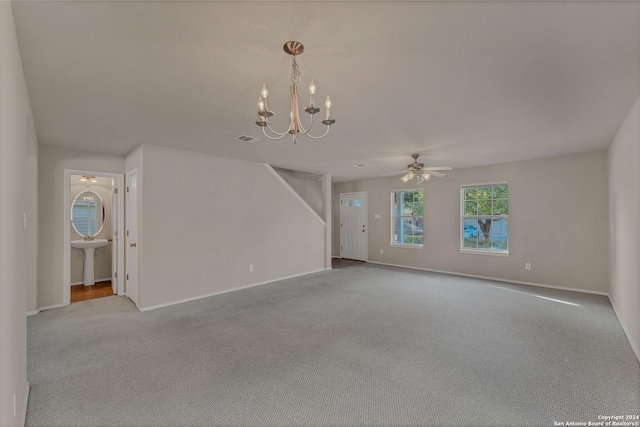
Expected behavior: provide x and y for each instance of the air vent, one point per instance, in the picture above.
(246, 138)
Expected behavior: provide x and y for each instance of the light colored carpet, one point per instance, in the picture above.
(360, 346)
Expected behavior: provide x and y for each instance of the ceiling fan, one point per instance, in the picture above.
(418, 171)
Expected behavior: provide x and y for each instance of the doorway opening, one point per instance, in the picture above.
(93, 248)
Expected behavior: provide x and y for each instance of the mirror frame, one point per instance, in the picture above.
(103, 213)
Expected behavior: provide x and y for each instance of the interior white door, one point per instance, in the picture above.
(353, 226)
(114, 237)
(131, 237)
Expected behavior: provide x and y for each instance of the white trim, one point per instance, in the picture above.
(23, 414)
(497, 279)
(359, 194)
(407, 246)
(634, 345)
(484, 184)
(295, 193)
(180, 301)
(472, 251)
(118, 180)
(31, 313)
(49, 307)
(135, 219)
(483, 252)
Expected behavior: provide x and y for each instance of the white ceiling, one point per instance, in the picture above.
(463, 83)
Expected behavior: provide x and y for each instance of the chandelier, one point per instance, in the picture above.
(293, 48)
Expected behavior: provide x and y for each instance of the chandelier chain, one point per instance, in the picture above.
(295, 72)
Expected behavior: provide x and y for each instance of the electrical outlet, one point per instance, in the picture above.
(381, 251)
(250, 268)
(527, 266)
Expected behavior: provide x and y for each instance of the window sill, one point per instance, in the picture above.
(400, 245)
(484, 252)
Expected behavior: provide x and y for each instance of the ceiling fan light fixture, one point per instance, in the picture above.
(408, 177)
(420, 172)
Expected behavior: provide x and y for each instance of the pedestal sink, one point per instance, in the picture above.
(89, 246)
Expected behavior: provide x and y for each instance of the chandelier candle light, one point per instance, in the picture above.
(295, 126)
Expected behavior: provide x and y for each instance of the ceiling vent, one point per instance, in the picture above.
(246, 138)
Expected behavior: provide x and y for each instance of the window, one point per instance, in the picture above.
(406, 217)
(353, 202)
(84, 217)
(485, 217)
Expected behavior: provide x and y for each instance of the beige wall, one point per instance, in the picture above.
(203, 224)
(102, 261)
(52, 163)
(558, 222)
(17, 175)
(309, 190)
(624, 205)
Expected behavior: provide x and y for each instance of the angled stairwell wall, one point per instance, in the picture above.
(203, 224)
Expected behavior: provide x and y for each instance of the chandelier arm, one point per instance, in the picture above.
(303, 130)
(321, 136)
(277, 133)
(295, 128)
(271, 137)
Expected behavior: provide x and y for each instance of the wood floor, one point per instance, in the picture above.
(344, 262)
(84, 293)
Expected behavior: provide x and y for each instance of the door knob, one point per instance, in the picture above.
(133, 245)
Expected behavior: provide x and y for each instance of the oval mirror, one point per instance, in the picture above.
(87, 213)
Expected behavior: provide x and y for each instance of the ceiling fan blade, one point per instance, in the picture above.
(438, 174)
(395, 173)
(439, 168)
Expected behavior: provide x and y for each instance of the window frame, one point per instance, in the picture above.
(406, 245)
(481, 251)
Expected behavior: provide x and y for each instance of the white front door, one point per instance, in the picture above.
(353, 226)
(131, 237)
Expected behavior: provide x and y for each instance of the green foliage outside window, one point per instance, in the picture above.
(407, 214)
(485, 217)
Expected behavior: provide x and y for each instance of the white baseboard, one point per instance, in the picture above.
(634, 345)
(167, 304)
(49, 307)
(23, 420)
(31, 313)
(497, 279)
